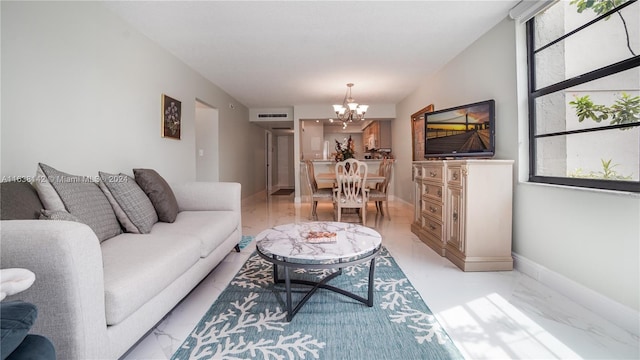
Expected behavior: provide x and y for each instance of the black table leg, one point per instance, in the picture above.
(322, 283)
(287, 286)
(276, 278)
(372, 269)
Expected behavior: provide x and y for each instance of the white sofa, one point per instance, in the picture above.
(96, 300)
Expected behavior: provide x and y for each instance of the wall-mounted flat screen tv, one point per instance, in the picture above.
(461, 131)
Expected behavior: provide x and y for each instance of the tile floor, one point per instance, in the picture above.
(489, 315)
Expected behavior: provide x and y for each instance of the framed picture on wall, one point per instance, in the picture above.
(417, 132)
(171, 117)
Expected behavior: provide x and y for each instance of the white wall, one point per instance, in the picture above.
(586, 236)
(312, 140)
(81, 92)
(207, 152)
(486, 70)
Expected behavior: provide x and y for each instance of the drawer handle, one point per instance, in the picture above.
(432, 227)
(440, 192)
(455, 216)
(433, 174)
(432, 209)
(455, 176)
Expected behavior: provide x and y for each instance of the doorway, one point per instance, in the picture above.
(285, 167)
(279, 165)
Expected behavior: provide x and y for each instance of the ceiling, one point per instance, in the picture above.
(282, 53)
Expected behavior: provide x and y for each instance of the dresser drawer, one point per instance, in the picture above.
(432, 191)
(432, 209)
(432, 226)
(454, 175)
(432, 172)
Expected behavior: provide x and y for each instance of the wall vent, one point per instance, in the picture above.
(273, 116)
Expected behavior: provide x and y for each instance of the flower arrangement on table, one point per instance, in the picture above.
(345, 150)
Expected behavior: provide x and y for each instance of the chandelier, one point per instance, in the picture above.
(349, 110)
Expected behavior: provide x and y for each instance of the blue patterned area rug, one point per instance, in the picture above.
(248, 321)
(245, 241)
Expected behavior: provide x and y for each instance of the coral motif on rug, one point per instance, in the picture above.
(248, 321)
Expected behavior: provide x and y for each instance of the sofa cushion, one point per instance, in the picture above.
(159, 192)
(211, 228)
(132, 206)
(139, 266)
(20, 201)
(81, 197)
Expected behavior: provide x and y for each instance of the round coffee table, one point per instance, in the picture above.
(287, 246)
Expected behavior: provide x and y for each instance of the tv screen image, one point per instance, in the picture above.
(462, 131)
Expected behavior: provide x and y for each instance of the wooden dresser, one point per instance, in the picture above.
(463, 210)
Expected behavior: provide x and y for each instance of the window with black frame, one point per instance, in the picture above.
(584, 94)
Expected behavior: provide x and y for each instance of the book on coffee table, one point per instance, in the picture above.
(321, 237)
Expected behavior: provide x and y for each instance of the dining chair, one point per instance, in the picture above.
(316, 194)
(380, 194)
(351, 191)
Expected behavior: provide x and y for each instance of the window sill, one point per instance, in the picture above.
(625, 194)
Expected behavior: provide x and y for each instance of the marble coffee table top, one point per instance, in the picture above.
(289, 241)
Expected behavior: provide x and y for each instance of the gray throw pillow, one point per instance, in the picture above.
(57, 215)
(20, 201)
(82, 198)
(133, 208)
(159, 192)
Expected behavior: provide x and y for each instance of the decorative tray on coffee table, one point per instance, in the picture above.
(321, 237)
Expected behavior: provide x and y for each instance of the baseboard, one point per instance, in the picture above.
(619, 314)
(400, 200)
